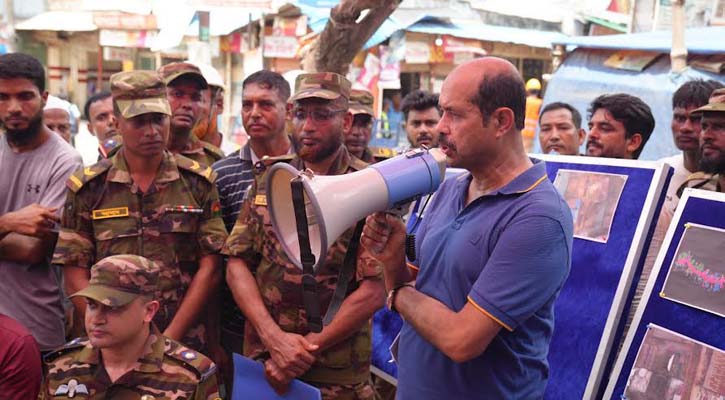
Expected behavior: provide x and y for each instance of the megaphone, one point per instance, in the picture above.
(334, 203)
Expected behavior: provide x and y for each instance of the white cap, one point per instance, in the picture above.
(212, 76)
(56, 103)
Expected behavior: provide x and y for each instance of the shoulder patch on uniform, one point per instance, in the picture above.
(195, 167)
(198, 363)
(382, 153)
(86, 174)
(267, 161)
(110, 146)
(73, 345)
(216, 152)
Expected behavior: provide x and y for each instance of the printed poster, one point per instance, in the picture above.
(697, 274)
(671, 366)
(593, 198)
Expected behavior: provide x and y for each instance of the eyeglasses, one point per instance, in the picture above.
(317, 115)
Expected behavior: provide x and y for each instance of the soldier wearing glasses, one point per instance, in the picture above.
(267, 285)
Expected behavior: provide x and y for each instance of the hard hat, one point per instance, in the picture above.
(211, 75)
(533, 84)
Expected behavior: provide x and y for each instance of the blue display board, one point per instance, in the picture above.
(599, 288)
(597, 294)
(695, 207)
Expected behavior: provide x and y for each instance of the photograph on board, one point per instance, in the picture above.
(670, 366)
(592, 198)
(697, 274)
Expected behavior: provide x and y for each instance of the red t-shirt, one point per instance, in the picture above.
(20, 371)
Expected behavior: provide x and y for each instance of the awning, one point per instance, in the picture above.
(491, 33)
(697, 40)
(68, 21)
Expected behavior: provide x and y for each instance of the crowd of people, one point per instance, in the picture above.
(140, 275)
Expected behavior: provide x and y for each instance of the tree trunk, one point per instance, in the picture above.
(343, 37)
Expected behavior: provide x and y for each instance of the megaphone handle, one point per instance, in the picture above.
(309, 283)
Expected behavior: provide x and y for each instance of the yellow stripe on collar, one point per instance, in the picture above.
(535, 184)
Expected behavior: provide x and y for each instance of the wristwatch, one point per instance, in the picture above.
(390, 302)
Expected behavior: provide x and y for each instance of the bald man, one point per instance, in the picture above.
(494, 250)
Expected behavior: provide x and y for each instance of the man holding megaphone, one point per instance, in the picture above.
(492, 252)
(267, 284)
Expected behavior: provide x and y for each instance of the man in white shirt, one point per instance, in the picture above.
(686, 133)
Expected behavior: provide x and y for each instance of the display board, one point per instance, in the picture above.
(675, 349)
(592, 306)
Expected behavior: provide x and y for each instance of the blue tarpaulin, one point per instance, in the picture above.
(710, 40)
(583, 76)
(492, 33)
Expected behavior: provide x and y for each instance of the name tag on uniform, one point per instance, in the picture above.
(110, 213)
(260, 200)
(184, 209)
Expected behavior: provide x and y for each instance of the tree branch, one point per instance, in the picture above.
(343, 37)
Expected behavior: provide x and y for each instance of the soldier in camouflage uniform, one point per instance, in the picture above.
(146, 201)
(121, 306)
(185, 84)
(267, 285)
(360, 133)
(712, 146)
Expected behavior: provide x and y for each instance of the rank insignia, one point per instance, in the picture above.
(71, 389)
(188, 355)
(260, 200)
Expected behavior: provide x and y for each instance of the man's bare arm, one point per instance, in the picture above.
(461, 335)
(467, 333)
(26, 235)
(205, 282)
(76, 278)
(355, 311)
(26, 249)
(291, 352)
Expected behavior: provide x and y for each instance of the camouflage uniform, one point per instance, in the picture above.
(702, 180)
(174, 223)
(372, 155)
(342, 371)
(202, 152)
(166, 369)
(361, 102)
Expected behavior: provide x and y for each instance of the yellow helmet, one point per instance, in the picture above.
(533, 84)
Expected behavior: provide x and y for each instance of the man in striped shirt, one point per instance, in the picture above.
(264, 102)
(264, 109)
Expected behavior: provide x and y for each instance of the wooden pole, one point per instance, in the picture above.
(678, 54)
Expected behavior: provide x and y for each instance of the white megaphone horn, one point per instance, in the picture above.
(334, 203)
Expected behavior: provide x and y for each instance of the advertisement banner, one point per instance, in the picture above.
(120, 38)
(280, 46)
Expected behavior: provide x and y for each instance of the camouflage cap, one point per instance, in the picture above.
(118, 280)
(139, 92)
(324, 85)
(172, 71)
(361, 102)
(718, 93)
(711, 107)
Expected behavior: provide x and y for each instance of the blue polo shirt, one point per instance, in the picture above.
(507, 253)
